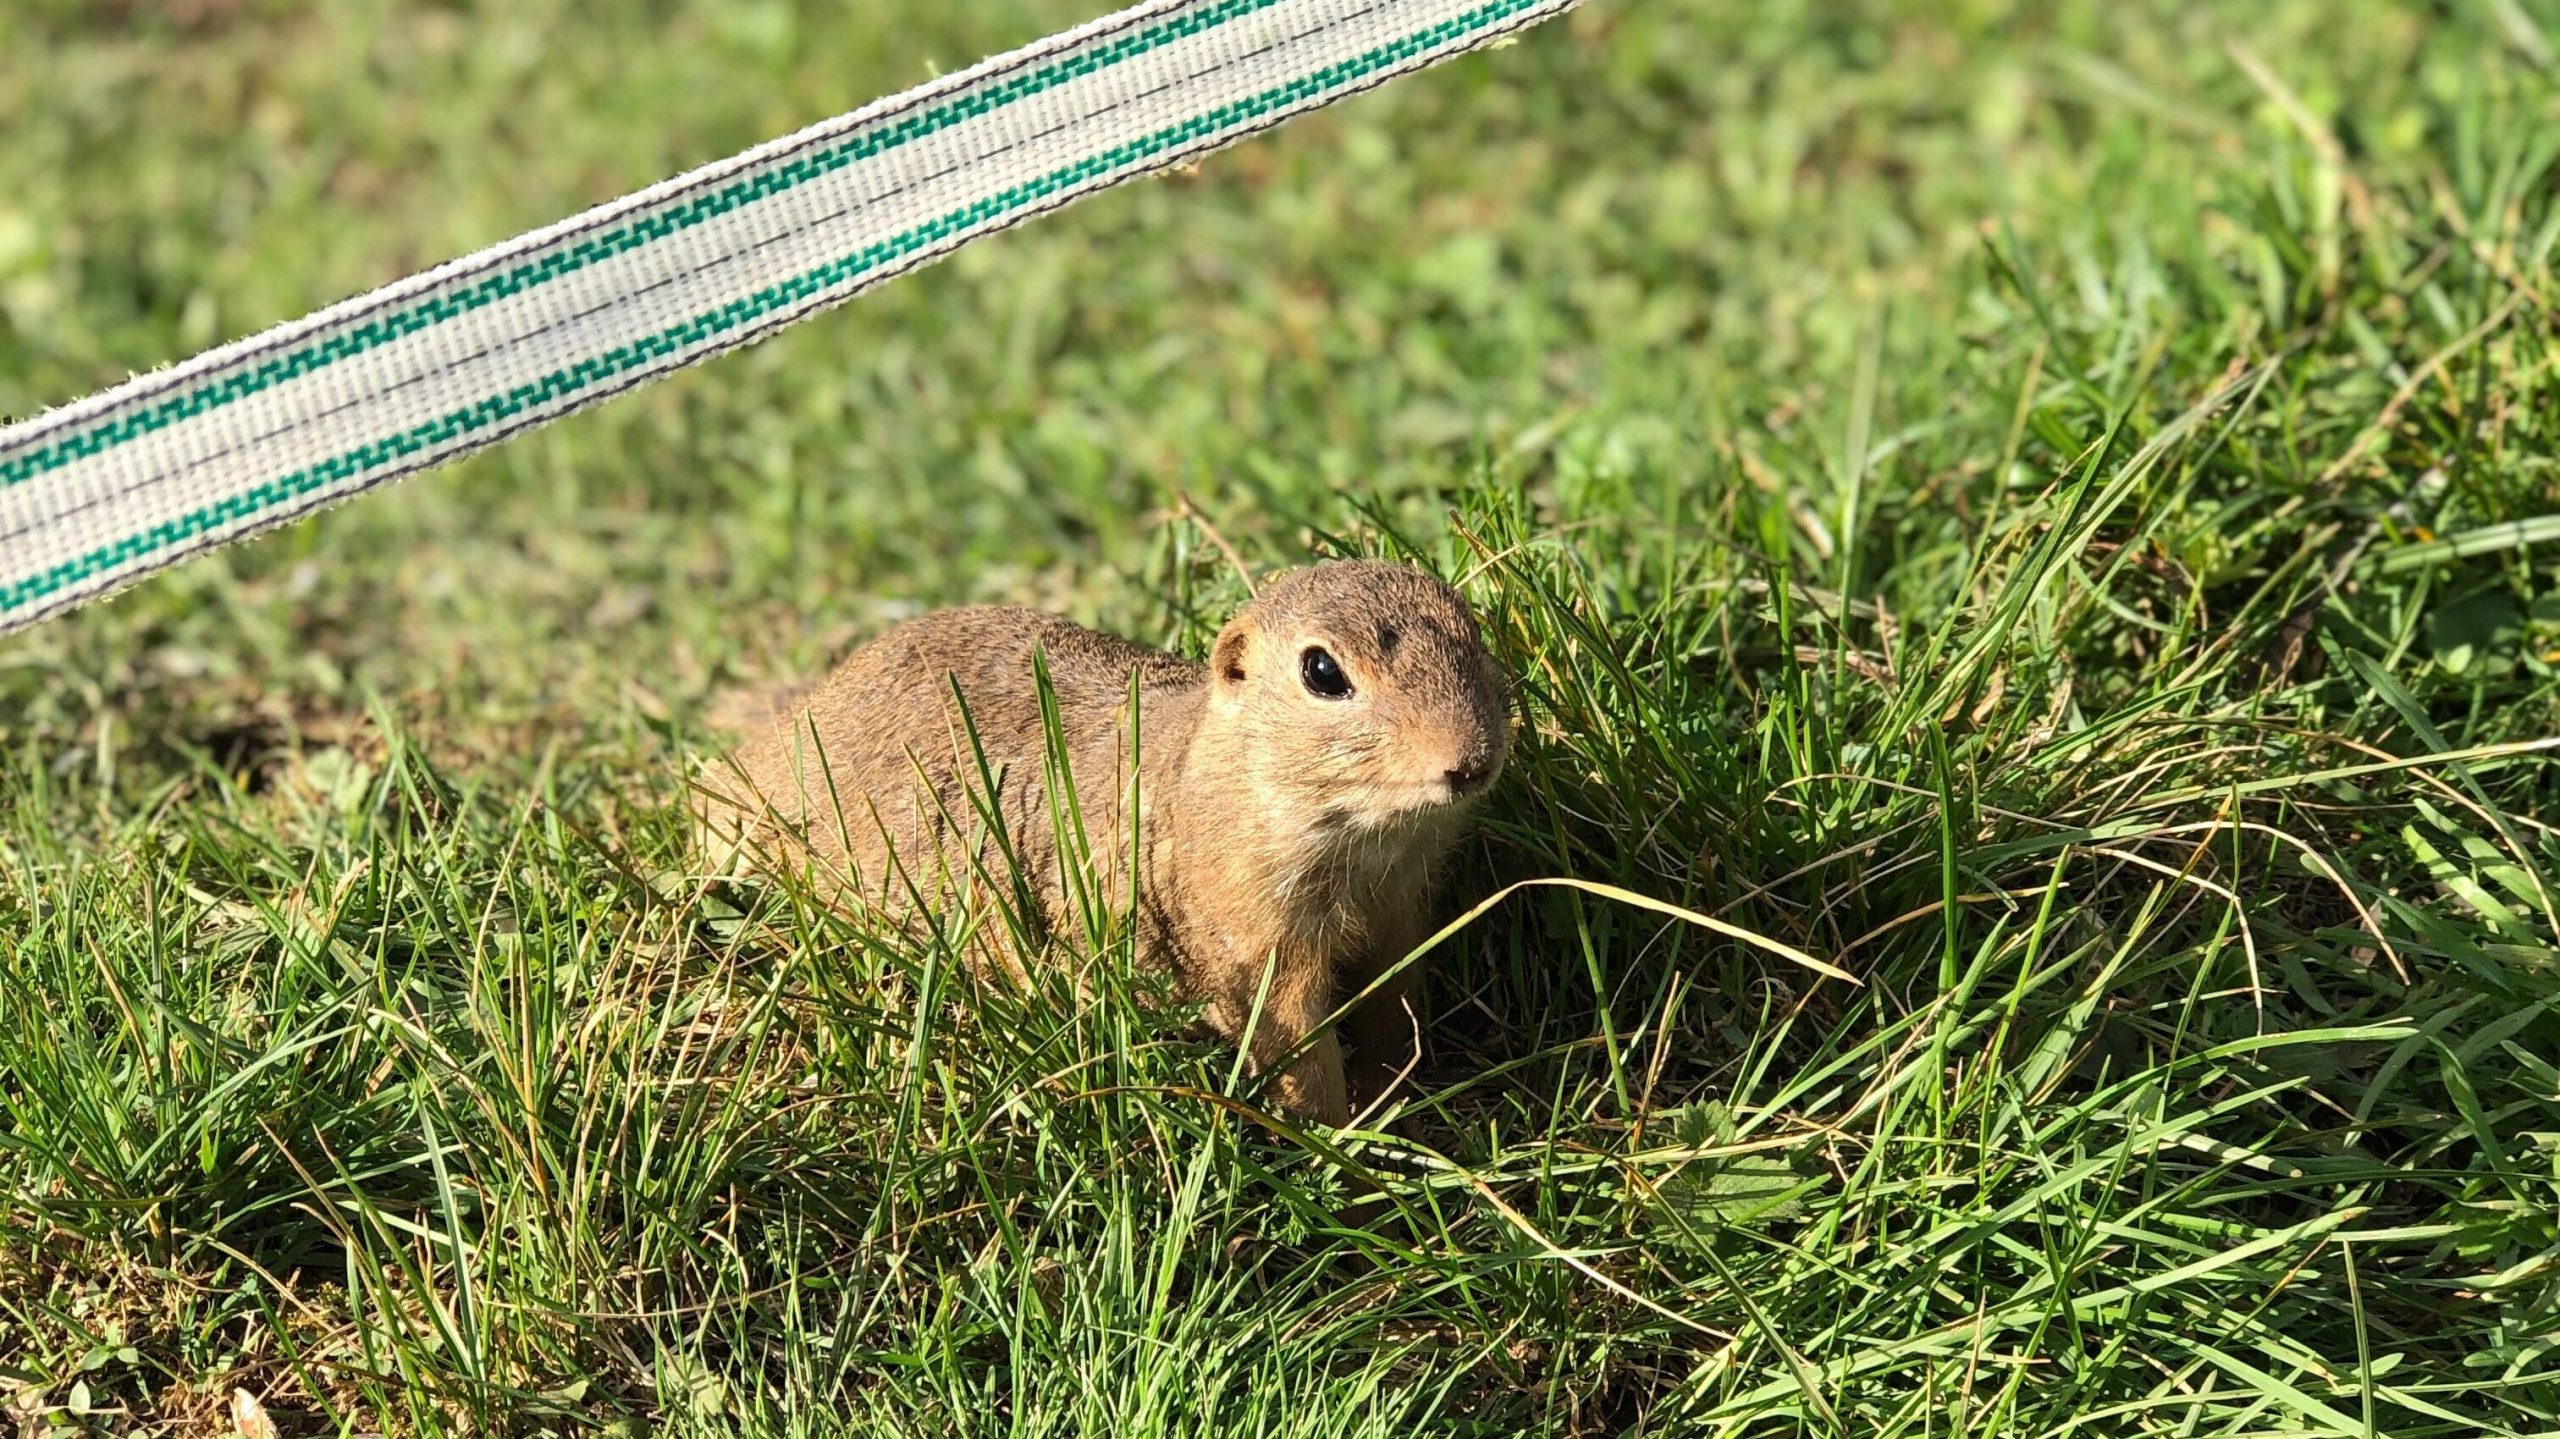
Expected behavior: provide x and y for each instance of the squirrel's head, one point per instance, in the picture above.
(1361, 691)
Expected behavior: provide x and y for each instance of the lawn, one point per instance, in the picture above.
(2048, 507)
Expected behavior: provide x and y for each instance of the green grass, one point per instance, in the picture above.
(2045, 506)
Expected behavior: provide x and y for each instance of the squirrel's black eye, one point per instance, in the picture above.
(1323, 674)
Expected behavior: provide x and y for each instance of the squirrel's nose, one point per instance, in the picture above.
(1468, 776)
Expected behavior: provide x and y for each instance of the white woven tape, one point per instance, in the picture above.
(100, 493)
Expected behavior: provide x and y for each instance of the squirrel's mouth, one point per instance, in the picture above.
(1431, 800)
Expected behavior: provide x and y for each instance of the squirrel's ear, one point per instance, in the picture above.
(1226, 657)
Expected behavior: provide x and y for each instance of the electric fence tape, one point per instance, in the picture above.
(102, 492)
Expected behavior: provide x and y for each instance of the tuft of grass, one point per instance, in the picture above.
(2046, 508)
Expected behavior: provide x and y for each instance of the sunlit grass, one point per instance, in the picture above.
(2048, 511)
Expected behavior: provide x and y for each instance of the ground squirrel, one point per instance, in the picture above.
(1295, 794)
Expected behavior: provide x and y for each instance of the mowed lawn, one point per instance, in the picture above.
(2049, 507)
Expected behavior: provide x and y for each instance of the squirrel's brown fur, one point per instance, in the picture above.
(1280, 827)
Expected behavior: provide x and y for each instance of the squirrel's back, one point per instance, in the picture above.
(882, 758)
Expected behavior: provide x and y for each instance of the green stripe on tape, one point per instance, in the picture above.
(674, 340)
(763, 184)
